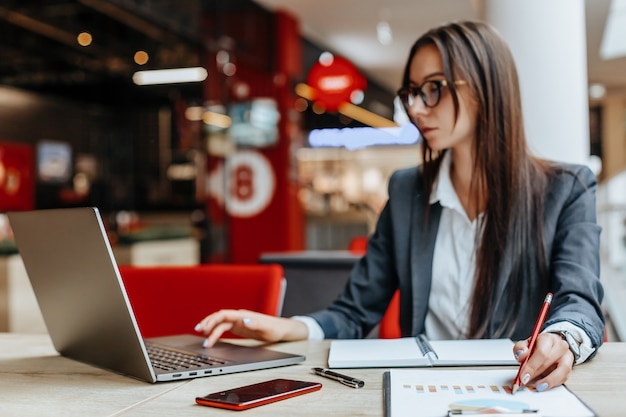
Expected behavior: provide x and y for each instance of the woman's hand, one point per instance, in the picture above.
(252, 325)
(550, 364)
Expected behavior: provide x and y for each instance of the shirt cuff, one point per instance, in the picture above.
(586, 347)
(315, 330)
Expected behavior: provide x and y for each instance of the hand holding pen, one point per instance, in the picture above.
(519, 380)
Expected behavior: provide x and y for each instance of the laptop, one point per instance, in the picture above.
(81, 295)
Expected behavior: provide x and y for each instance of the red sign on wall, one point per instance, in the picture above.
(334, 80)
(250, 184)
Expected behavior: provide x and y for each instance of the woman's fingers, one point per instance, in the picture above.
(246, 323)
(550, 363)
(214, 325)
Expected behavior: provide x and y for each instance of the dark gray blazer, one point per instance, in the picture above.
(400, 255)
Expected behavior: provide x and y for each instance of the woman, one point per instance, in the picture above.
(477, 235)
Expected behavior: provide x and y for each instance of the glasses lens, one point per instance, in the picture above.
(431, 92)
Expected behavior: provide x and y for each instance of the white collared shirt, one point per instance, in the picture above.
(454, 262)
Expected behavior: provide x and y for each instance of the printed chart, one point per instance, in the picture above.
(435, 392)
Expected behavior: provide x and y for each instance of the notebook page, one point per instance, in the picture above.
(363, 353)
(474, 352)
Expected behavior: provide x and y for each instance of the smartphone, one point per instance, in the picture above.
(242, 398)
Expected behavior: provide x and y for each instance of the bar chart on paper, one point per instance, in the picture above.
(460, 389)
(435, 393)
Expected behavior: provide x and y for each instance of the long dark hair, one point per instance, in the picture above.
(507, 177)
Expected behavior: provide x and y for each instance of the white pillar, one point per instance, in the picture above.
(548, 41)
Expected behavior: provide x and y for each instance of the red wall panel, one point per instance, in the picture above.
(17, 176)
(279, 225)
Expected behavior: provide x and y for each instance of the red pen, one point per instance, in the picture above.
(533, 338)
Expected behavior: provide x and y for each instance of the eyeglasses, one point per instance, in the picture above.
(429, 92)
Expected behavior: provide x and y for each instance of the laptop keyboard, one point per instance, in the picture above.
(172, 360)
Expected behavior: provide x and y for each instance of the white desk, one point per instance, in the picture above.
(35, 381)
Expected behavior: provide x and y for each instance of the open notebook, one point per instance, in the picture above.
(419, 351)
(83, 301)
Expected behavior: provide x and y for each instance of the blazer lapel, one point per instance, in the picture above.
(423, 235)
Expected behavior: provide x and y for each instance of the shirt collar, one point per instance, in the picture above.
(443, 190)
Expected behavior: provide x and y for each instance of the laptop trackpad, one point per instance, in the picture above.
(228, 352)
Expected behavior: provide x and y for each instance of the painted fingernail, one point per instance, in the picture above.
(205, 343)
(519, 353)
(198, 327)
(542, 387)
(246, 320)
(525, 379)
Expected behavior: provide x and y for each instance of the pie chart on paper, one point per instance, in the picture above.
(489, 405)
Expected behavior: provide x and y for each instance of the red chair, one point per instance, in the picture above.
(173, 299)
(389, 327)
(358, 244)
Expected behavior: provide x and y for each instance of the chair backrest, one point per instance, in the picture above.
(170, 300)
(389, 327)
(358, 244)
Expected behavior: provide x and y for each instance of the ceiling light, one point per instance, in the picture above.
(84, 39)
(383, 28)
(141, 57)
(613, 44)
(216, 119)
(229, 69)
(357, 96)
(365, 116)
(305, 91)
(326, 59)
(383, 31)
(222, 57)
(353, 138)
(194, 113)
(170, 76)
(597, 91)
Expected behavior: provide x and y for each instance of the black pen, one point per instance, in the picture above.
(344, 379)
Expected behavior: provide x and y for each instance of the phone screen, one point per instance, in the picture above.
(254, 395)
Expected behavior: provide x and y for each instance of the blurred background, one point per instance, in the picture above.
(285, 134)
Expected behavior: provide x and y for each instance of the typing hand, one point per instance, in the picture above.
(252, 325)
(550, 364)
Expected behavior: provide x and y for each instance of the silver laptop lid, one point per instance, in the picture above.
(88, 315)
